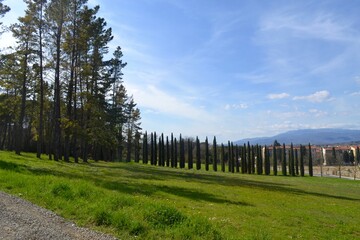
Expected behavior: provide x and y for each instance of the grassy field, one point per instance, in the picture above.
(132, 200)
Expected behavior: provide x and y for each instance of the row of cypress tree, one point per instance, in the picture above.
(251, 159)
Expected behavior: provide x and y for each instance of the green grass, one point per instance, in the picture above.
(132, 200)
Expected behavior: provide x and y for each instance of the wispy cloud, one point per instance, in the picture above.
(318, 25)
(355, 93)
(236, 106)
(155, 99)
(278, 96)
(357, 79)
(317, 113)
(317, 97)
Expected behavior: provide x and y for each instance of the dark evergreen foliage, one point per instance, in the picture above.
(215, 156)
(310, 162)
(190, 154)
(168, 153)
(302, 168)
(296, 162)
(198, 154)
(283, 161)
(207, 155)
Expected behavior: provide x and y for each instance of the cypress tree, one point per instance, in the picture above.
(252, 159)
(215, 154)
(155, 149)
(182, 152)
(190, 154)
(248, 157)
(292, 171)
(334, 156)
(283, 165)
(232, 157)
(163, 153)
(310, 162)
(229, 157)
(296, 162)
(222, 158)
(168, 156)
(175, 153)
(206, 154)
(302, 169)
(258, 165)
(152, 155)
(237, 156)
(145, 149)
(160, 151)
(243, 159)
(267, 161)
(172, 151)
(198, 154)
(274, 160)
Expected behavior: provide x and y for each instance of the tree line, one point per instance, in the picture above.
(250, 159)
(60, 93)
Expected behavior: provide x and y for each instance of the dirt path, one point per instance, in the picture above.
(20, 219)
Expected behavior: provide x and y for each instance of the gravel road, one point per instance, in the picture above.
(20, 219)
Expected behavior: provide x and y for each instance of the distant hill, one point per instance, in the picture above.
(314, 136)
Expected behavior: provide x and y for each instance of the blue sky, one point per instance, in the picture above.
(237, 69)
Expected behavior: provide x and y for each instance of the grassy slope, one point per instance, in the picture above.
(130, 200)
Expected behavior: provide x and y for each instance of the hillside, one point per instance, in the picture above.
(138, 201)
(305, 136)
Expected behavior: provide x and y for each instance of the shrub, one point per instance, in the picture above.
(103, 217)
(163, 216)
(63, 190)
(199, 228)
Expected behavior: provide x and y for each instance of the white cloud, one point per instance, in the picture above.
(357, 79)
(278, 96)
(321, 25)
(159, 101)
(318, 97)
(317, 113)
(355, 94)
(236, 106)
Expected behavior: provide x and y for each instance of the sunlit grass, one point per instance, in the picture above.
(140, 201)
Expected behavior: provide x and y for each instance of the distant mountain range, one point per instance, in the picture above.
(314, 136)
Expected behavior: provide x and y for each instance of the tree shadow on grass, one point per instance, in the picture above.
(150, 189)
(146, 173)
